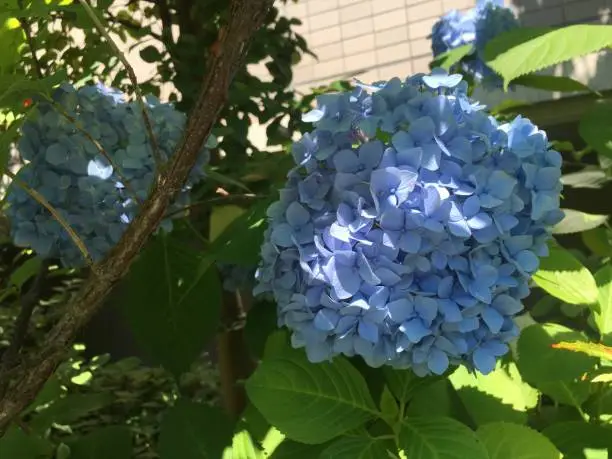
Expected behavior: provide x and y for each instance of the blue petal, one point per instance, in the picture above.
(442, 81)
(410, 242)
(400, 310)
(437, 361)
(427, 308)
(346, 161)
(368, 331)
(493, 319)
(313, 116)
(370, 153)
(297, 215)
(459, 228)
(326, 320)
(414, 330)
(527, 260)
(483, 361)
(501, 185)
(507, 305)
(344, 281)
(282, 235)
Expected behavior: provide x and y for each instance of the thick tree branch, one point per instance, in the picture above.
(29, 377)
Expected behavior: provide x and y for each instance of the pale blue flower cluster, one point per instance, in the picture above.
(408, 230)
(476, 27)
(69, 171)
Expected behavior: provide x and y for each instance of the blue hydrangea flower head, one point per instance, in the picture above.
(477, 27)
(70, 172)
(416, 246)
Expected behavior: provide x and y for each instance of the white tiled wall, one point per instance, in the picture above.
(378, 39)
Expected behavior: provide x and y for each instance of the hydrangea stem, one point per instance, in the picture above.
(53, 211)
(132, 75)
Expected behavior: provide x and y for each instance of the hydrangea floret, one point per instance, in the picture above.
(476, 27)
(409, 229)
(69, 171)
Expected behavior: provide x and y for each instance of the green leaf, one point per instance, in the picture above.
(564, 277)
(6, 139)
(104, 443)
(439, 438)
(173, 309)
(450, 58)
(603, 317)
(289, 449)
(150, 54)
(596, 130)
(27, 270)
(572, 393)
(261, 322)
(388, 406)
(69, 409)
(590, 179)
(17, 444)
(551, 83)
(358, 448)
(597, 240)
(404, 383)
(499, 396)
(192, 430)
(14, 89)
(576, 221)
(573, 438)
(526, 50)
(511, 441)
(310, 403)
(51, 391)
(539, 362)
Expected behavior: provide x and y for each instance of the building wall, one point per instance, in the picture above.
(379, 39)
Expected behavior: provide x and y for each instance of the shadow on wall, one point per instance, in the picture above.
(593, 70)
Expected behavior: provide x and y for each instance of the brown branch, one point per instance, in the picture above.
(235, 362)
(29, 377)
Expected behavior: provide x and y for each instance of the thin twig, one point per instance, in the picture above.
(131, 74)
(25, 25)
(230, 199)
(26, 379)
(53, 211)
(99, 147)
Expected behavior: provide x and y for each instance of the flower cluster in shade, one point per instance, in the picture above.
(475, 27)
(69, 171)
(409, 229)
(236, 277)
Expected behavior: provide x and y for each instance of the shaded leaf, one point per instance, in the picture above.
(104, 443)
(511, 441)
(450, 58)
(439, 438)
(596, 130)
(310, 403)
(539, 362)
(173, 309)
(572, 393)
(358, 448)
(192, 430)
(551, 83)
(17, 444)
(25, 271)
(573, 438)
(404, 383)
(70, 408)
